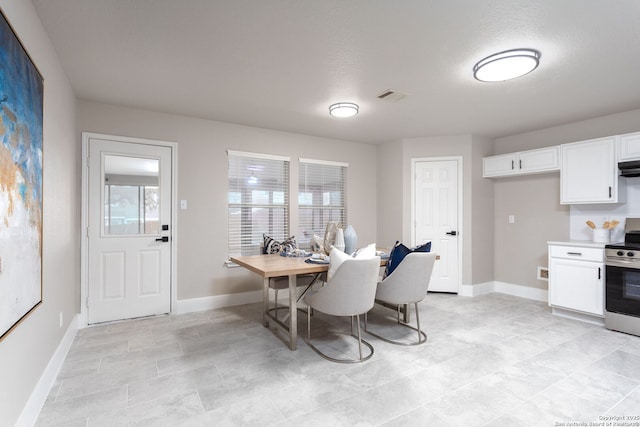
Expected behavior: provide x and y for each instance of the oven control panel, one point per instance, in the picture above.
(626, 256)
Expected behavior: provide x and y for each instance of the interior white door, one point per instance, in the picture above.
(436, 219)
(129, 227)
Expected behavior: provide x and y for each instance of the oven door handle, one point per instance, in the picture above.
(622, 264)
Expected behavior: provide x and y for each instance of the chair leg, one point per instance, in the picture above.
(358, 337)
(422, 337)
(418, 322)
(308, 323)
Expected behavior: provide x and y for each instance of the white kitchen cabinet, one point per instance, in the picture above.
(576, 279)
(629, 147)
(589, 172)
(501, 165)
(523, 162)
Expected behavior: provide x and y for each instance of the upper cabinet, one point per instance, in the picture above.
(589, 172)
(523, 162)
(629, 147)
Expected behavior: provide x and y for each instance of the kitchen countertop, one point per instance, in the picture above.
(580, 243)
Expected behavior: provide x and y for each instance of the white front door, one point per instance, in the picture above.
(129, 228)
(436, 219)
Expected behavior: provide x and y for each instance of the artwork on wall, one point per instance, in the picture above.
(21, 106)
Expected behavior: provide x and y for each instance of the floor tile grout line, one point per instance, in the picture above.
(637, 388)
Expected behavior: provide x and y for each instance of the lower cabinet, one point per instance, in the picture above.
(576, 279)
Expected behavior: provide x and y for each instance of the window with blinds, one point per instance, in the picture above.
(258, 200)
(322, 195)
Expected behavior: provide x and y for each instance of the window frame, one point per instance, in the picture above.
(238, 237)
(320, 210)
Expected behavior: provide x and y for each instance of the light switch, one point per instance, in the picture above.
(183, 204)
(512, 219)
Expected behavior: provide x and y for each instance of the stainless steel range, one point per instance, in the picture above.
(622, 297)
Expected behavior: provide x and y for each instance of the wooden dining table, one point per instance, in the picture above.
(269, 266)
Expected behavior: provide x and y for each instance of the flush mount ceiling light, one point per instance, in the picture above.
(506, 65)
(343, 109)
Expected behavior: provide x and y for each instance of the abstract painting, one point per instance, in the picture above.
(21, 105)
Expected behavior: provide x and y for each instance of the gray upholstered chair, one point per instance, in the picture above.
(407, 284)
(349, 292)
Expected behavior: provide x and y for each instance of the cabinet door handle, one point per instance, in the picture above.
(513, 164)
(575, 253)
(599, 273)
(520, 164)
(609, 191)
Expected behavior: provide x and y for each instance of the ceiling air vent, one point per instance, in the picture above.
(392, 95)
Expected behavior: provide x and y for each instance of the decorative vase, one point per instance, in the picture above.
(339, 239)
(350, 240)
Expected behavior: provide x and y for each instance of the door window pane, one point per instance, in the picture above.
(131, 196)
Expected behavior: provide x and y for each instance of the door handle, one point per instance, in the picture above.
(163, 239)
(451, 233)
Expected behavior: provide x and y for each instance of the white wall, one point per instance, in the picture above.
(202, 181)
(25, 352)
(580, 214)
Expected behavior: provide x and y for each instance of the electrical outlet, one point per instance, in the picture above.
(183, 204)
(512, 219)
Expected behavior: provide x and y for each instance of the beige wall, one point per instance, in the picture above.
(535, 199)
(202, 181)
(394, 195)
(482, 214)
(25, 352)
(390, 193)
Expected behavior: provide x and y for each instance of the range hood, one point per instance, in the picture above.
(629, 169)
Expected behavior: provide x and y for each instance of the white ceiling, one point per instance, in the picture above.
(279, 64)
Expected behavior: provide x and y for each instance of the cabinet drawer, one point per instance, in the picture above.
(577, 253)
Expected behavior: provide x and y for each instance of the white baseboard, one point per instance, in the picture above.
(229, 300)
(504, 288)
(34, 405)
(475, 290)
(217, 301)
(527, 292)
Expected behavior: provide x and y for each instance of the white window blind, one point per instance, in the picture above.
(258, 200)
(322, 195)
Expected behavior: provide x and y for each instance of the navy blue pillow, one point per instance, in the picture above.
(400, 251)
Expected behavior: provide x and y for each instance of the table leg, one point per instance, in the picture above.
(265, 302)
(293, 313)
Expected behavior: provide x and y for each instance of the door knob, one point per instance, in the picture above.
(452, 233)
(163, 239)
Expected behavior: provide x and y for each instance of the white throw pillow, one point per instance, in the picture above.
(336, 258)
(366, 252)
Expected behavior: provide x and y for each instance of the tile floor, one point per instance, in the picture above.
(493, 360)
